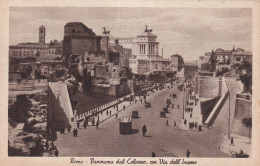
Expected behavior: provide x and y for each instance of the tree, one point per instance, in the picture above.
(245, 72)
(248, 123)
(213, 61)
(28, 71)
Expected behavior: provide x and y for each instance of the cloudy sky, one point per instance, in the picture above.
(187, 31)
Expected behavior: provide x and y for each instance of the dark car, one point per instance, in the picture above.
(147, 105)
(162, 114)
(135, 114)
(168, 101)
(165, 109)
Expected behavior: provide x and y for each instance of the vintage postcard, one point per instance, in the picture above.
(143, 82)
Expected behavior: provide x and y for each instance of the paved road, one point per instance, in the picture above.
(163, 140)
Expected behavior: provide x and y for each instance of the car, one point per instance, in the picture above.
(135, 114)
(168, 101)
(162, 114)
(125, 125)
(147, 104)
(165, 109)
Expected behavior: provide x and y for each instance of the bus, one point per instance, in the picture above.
(125, 125)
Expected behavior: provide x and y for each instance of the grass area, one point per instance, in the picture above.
(88, 102)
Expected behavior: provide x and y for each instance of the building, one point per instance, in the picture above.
(79, 39)
(146, 57)
(39, 50)
(224, 58)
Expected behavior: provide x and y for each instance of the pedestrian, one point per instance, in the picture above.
(167, 123)
(76, 132)
(153, 154)
(185, 121)
(232, 141)
(78, 124)
(174, 123)
(144, 130)
(191, 115)
(69, 128)
(47, 145)
(85, 125)
(56, 152)
(188, 153)
(97, 124)
(93, 122)
(124, 107)
(116, 115)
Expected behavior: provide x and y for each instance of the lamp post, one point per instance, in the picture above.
(184, 96)
(229, 96)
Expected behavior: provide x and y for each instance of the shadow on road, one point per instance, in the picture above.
(133, 131)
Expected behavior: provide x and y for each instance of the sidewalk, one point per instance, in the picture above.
(240, 143)
(193, 116)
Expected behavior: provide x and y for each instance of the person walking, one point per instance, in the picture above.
(232, 141)
(174, 123)
(56, 152)
(97, 124)
(47, 145)
(78, 124)
(188, 153)
(144, 130)
(76, 132)
(167, 123)
(69, 128)
(124, 107)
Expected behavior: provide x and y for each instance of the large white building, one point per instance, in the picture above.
(146, 57)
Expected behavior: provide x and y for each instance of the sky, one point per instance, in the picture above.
(189, 32)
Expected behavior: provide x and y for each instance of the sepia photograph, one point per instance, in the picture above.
(130, 83)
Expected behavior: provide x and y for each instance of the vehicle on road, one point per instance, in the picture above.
(162, 114)
(135, 114)
(168, 101)
(125, 126)
(180, 87)
(165, 109)
(147, 104)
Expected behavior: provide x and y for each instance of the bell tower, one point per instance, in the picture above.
(42, 35)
